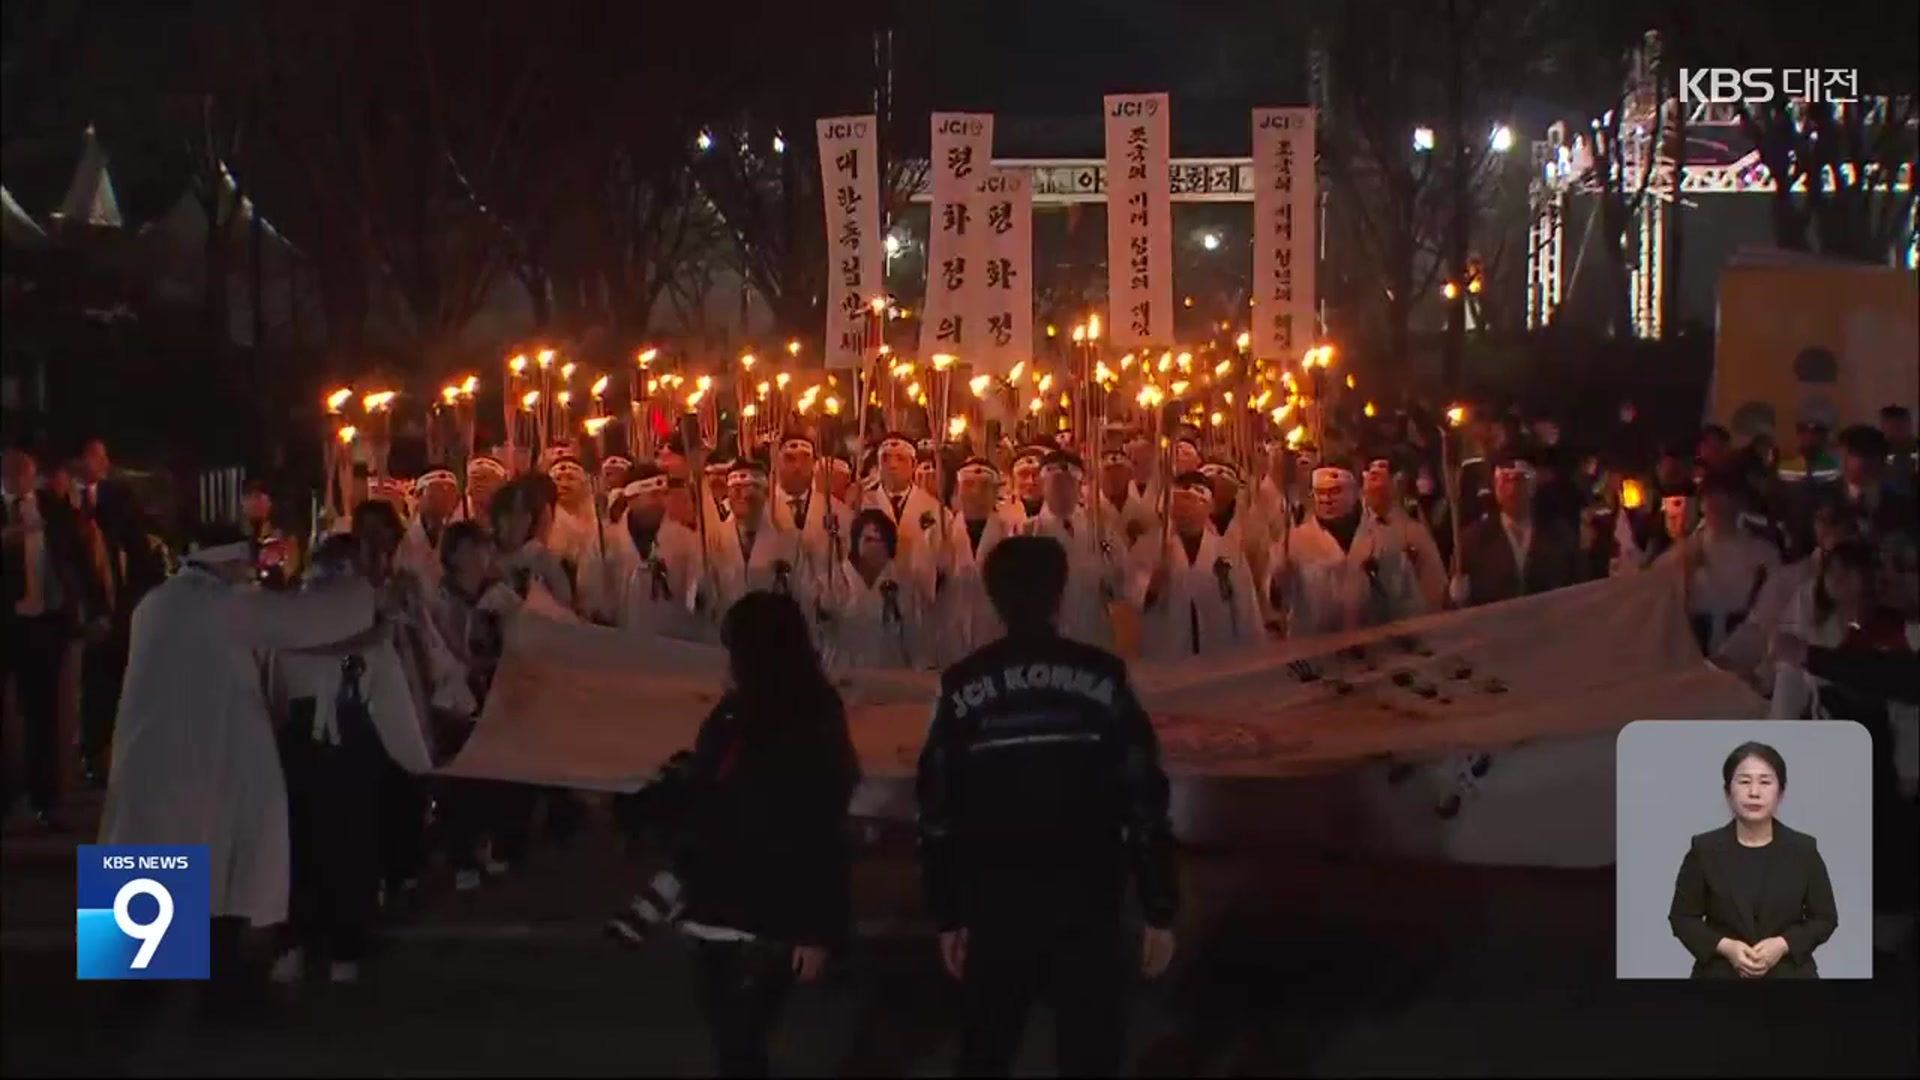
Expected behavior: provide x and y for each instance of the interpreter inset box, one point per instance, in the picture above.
(1744, 850)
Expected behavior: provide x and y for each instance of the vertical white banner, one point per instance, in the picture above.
(1285, 250)
(1139, 221)
(1006, 201)
(850, 188)
(962, 156)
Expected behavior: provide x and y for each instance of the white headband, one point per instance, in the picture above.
(1331, 478)
(617, 460)
(840, 466)
(798, 444)
(1515, 468)
(559, 467)
(897, 442)
(1219, 468)
(1060, 467)
(641, 487)
(977, 469)
(486, 465)
(1196, 489)
(436, 476)
(747, 477)
(1674, 502)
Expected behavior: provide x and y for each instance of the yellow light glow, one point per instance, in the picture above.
(704, 382)
(1349, 380)
(1036, 405)
(1244, 340)
(1261, 401)
(693, 399)
(1066, 400)
(544, 357)
(1101, 372)
(565, 398)
(653, 387)
(833, 406)
(338, 398)
(885, 349)
(760, 391)
(599, 386)
(782, 379)
(377, 401)
(1474, 286)
(1450, 291)
(471, 386)
(1217, 419)
(747, 361)
(1166, 361)
(449, 394)
(1457, 415)
(566, 370)
(913, 390)
(1293, 437)
(749, 410)
(1632, 495)
(595, 424)
(1051, 330)
(979, 383)
(1280, 413)
(347, 433)
(878, 305)
(942, 361)
(1079, 334)
(647, 355)
(1222, 368)
(1179, 387)
(530, 399)
(1370, 410)
(1229, 396)
(1013, 376)
(1093, 328)
(793, 347)
(517, 365)
(956, 427)
(1126, 362)
(1045, 382)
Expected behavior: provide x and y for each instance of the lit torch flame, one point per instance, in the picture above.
(956, 427)
(942, 361)
(1632, 495)
(347, 433)
(703, 383)
(566, 370)
(1370, 410)
(793, 348)
(530, 399)
(338, 399)
(1244, 340)
(1093, 328)
(979, 383)
(1013, 375)
(600, 386)
(544, 358)
(470, 387)
(833, 406)
(565, 398)
(1457, 415)
(1293, 437)
(378, 401)
(693, 399)
(747, 360)
(517, 365)
(449, 394)
(647, 355)
(594, 425)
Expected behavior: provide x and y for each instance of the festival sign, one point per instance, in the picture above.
(1006, 196)
(1139, 221)
(955, 322)
(850, 188)
(1284, 251)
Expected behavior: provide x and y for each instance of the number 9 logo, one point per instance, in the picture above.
(149, 934)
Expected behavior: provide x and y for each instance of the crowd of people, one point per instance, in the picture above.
(286, 698)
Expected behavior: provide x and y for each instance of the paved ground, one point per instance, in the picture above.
(1287, 966)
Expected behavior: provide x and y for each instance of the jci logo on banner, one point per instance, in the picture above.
(143, 911)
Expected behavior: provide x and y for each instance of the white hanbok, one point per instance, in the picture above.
(660, 588)
(964, 619)
(879, 625)
(1328, 590)
(1207, 605)
(1135, 518)
(917, 516)
(577, 537)
(818, 549)
(1729, 571)
(195, 760)
(418, 553)
(390, 700)
(772, 563)
(1097, 572)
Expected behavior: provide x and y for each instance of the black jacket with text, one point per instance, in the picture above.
(1040, 788)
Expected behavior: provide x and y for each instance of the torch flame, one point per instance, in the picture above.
(979, 383)
(760, 391)
(470, 386)
(749, 409)
(449, 394)
(544, 357)
(1185, 360)
(942, 361)
(879, 304)
(703, 383)
(347, 433)
(1632, 495)
(377, 401)
(1244, 340)
(653, 387)
(1013, 375)
(956, 427)
(1294, 437)
(1046, 382)
(1222, 368)
(833, 406)
(793, 347)
(566, 370)
(594, 424)
(746, 361)
(1166, 361)
(1093, 328)
(1349, 380)
(338, 398)
(693, 399)
(1216, 419)
(913, 390)
(1079, 334)
(565, 398)
(1370, 410)
(517, 365)
(599, 386)
(1179, 387)
(1036, 405)
(1126, 362)
(781, 380)
(1457, 415)
(647, 355)
(531, 399)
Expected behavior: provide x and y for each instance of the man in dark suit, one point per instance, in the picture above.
(1512, 553)
(46, 593)
(115, 541)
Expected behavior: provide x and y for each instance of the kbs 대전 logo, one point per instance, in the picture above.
(142, 911)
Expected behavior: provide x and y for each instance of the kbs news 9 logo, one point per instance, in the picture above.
(142, 911)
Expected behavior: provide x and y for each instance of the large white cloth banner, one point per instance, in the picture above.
(1006, 196)
(850, 188)
(1285, 254)
(1139, 221)
(956, 280)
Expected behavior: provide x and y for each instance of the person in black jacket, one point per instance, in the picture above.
(764, 861)
(1040, 790)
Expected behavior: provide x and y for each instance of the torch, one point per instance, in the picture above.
(335, 401)
(1456, 415)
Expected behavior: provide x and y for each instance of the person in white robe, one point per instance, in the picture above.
(911, 508)
(485, 476)
(1097, 559)
(840, 479)
(661, 566)
(749, 552)
(876, 606)
(578, 535)
(1836, 599)
(194, 755)
(1398, 552)
(1143, 461)
(1726, 567)
(438, 506)
(1023, 498)
(521, 524)
(1123, 501)
(1195, 590)
(964, 619)
(616, 471)
(801, 504)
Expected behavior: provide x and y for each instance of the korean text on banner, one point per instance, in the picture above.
(1139, 221)
(956, 282)
(1284, 251)
(1006, 197)
(850, 186)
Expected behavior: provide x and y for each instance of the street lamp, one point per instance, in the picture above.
(892, 244)
(1501, 140)
(1423, 140)
(704, 141)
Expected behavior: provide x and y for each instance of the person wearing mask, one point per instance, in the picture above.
(914, 511)
(875, 606)
(750, 552)
(615, 471)
(1753, 899)
(1096, 559)
(194, 755)
(964, 619)
(485, 476)
(1198, 595)
(658, 563)
(1726, 568)
(437, 506)
(578, 535)
(757, 814)
(1040, 793)
(1509, 554)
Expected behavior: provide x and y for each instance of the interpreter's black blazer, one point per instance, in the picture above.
(1795, 903)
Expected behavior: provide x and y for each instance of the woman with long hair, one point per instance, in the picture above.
(762, 859)
(875, 605)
